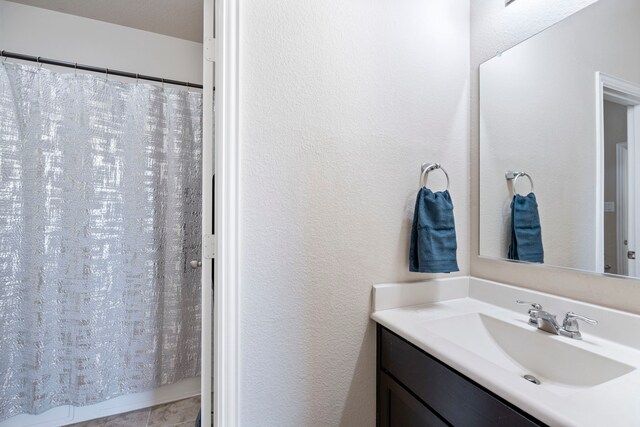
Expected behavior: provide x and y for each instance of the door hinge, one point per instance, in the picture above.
(210, 49)
(631, 254)
(209, 246)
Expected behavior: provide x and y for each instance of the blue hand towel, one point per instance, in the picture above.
(433, 234)
(526, 233)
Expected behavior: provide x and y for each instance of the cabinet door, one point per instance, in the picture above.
(398, 408)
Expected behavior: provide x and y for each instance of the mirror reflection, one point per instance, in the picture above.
(560, 144)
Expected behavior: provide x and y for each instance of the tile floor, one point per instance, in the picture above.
(181, 413)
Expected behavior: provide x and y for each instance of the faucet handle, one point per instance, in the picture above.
(534, 305)
(570, 323)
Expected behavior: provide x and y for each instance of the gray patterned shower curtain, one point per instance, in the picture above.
(100, 210)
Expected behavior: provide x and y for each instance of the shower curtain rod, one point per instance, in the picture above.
(107, 71)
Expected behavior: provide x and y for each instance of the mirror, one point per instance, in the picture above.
(560, 119)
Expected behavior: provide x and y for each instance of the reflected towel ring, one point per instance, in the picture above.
(510, 175)
(428, 167)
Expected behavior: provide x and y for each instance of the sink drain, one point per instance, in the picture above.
(531, 379)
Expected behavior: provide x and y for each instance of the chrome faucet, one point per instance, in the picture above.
(547, 322)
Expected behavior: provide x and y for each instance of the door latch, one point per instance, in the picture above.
(631, 254)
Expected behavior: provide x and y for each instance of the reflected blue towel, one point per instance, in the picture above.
(526, 234)
(433, 234)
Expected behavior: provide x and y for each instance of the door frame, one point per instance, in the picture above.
(226, 284)
(620, 91)
(208, 204)
(622, 194)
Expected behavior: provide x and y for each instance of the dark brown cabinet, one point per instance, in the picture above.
(415, 389)
(398, 407)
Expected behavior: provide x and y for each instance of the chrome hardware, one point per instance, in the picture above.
(533, 321)
(631, 254)
(428, 167)
(570, 324)
(533, 304)
(513, 175)
(531, 379)
(547, 322)
(195, 263)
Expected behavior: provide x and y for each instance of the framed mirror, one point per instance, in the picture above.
(560, 144)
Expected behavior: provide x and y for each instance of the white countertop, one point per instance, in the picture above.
(612, 403)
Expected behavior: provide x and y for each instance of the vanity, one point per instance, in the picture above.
(462, 352)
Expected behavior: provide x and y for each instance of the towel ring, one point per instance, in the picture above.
(514, 176)
(428, 167)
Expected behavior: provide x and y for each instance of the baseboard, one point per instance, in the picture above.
(64, 415)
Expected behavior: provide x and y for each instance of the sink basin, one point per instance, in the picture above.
(525, 350)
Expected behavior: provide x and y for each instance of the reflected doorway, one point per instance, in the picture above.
(620, 155)
(615, 188)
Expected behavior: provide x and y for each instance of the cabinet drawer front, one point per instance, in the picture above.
(454, 397)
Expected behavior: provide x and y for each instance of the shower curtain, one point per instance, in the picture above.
(100, 211)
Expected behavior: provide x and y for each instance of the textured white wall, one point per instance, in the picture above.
(40, 32)
(538, 114)
(496, 28)
(340, 104)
